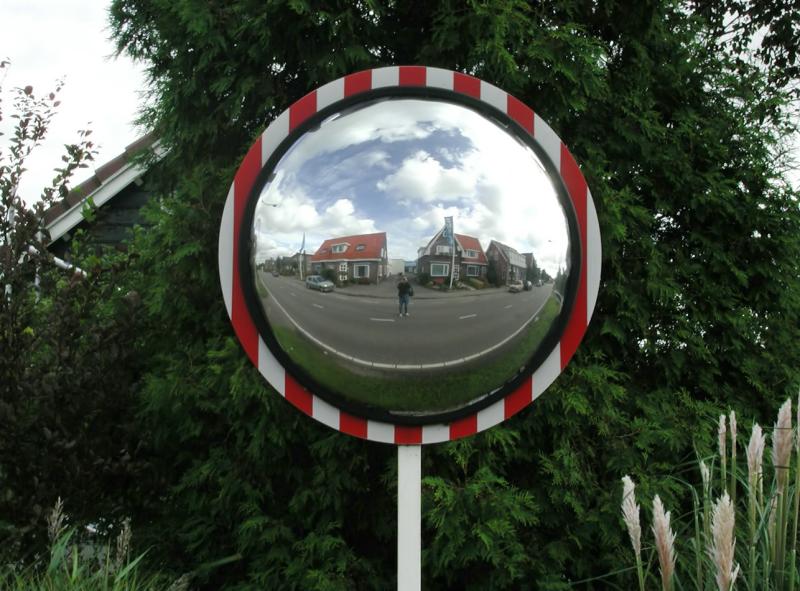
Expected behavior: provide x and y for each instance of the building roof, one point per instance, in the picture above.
(106, 182)
(471, 243)
(464, 242)
(357, 248)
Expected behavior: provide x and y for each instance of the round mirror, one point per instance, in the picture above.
(410, 256)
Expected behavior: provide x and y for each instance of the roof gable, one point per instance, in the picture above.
(106, 183)
(509, 254)
(358, 247)
(470, 243)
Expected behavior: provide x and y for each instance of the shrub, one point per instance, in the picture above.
(75, 565)
(423, 278)
(476, 283)
(330, 275)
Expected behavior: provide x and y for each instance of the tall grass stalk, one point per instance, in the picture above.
(734, 479)
(630, 514)
(705, 475)
(755, 459)
(698, 539)
(793, 551)
(74, 567)
(721, 437)
(781, 459)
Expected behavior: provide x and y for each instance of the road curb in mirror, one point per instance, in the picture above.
(409, 255)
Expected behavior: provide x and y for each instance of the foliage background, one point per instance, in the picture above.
(680, 134)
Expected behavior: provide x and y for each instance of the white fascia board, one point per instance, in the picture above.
(74, 216)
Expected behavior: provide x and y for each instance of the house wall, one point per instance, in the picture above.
(425, 262)
(505, 270)
(481, 270)
(113, 222)
(374, 269)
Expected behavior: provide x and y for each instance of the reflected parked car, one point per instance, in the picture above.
(318, 282)
(516, 286)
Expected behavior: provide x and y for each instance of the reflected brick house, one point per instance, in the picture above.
(509, 264)
(436, 258)
(362, 257)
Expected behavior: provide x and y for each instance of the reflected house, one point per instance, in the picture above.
(437, 257)
(297, 261)
(508, 263)
(360, 258)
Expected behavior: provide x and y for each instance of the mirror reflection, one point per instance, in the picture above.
(410, 255)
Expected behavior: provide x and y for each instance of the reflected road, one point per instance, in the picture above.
(439, 332)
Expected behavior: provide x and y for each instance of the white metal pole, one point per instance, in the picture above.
(409, 517)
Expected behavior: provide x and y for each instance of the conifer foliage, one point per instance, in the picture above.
(680, 139)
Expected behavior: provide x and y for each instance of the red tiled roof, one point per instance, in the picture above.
(371, 243)
(471, 243)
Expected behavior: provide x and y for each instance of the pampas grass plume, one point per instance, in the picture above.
(630, 513)
(723, 543)
(665, 543)
(755, 454)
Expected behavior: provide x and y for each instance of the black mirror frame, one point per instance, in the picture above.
(293, 382)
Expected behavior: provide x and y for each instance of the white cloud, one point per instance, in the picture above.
(422, 178)
(284, 213)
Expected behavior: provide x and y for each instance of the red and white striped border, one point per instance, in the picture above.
(404, 76)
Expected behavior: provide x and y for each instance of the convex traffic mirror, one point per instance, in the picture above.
(403, 251)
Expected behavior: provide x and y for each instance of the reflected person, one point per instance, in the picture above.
(404, 292)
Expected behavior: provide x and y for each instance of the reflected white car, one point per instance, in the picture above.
(319, 283)
(515, 286)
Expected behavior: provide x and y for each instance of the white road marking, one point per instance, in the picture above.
(507, 307)
(467, 316)
(318, 306)
(293, 294)
(382, 319)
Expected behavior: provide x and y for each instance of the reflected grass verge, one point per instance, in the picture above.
(413, 393)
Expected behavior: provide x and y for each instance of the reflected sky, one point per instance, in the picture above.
(400, 166)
